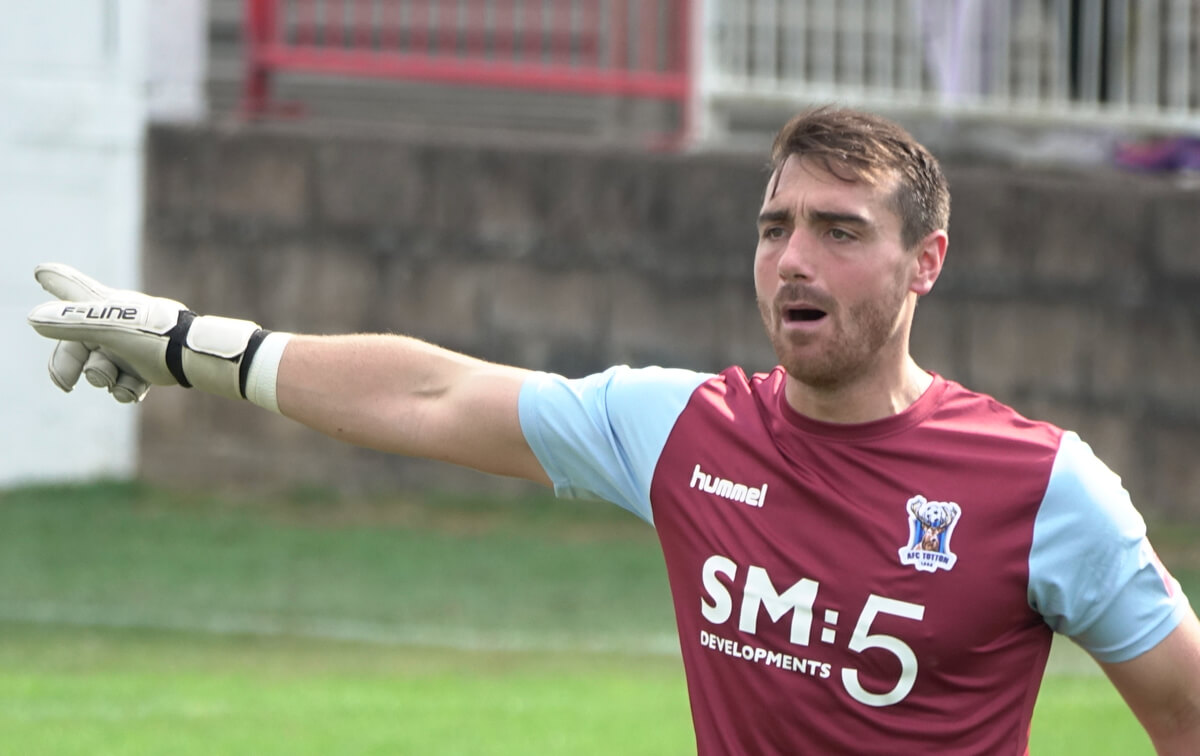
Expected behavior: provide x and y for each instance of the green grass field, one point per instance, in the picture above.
(137, 621)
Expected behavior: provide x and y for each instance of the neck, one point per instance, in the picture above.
(875, 396)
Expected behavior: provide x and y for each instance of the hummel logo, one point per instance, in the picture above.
(727, 489)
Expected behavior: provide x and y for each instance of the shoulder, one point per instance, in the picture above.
(616, 384)
(601, 436)
(1083, 489)
(734, 385)
(981, 416)
(1093, 573)
(623, 384)
(990, 413)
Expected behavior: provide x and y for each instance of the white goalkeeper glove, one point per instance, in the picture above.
(126, 341)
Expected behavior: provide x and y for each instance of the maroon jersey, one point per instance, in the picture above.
(878, 588)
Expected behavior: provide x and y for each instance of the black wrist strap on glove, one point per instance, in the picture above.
(177, 342)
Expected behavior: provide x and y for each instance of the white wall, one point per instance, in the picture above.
(74, 83)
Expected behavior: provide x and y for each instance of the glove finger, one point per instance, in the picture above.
(100, 371)
(129, 389)
(66, 283)
(130, 334)
(94, 322)
(66, 363)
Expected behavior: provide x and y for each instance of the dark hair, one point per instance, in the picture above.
(857, 146)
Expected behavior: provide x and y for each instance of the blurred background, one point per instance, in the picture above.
(559, 184)
(570, 184)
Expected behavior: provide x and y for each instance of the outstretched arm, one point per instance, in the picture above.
(1162, 688)
(401, 395)
(390, 393)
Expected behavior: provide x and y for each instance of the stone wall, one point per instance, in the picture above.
(1074, 297)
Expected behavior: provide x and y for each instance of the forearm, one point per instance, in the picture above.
(1162, 688)
(1174, 725)
(366, 389)
(1184, 742)
(405, 396)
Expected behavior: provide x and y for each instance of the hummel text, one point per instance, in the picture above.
(727, 489)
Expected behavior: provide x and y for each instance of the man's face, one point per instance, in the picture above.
(832, 277)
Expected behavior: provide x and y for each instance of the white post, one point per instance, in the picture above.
(71, 130)
(177, 60)
(705, 127)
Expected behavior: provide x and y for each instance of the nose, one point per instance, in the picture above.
(796, 261)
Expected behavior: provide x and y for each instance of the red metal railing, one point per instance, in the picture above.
(627, 48)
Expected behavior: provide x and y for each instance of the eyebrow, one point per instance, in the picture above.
(774, 216)
(820, 216)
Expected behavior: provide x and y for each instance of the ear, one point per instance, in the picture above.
(931, 253)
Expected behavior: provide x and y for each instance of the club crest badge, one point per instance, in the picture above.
(930, 525)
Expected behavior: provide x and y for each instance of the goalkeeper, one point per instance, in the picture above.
(864, 557)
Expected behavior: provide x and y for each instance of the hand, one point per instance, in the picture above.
(126, 341)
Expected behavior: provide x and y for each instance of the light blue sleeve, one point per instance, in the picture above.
(600, 437)
(1092, 572)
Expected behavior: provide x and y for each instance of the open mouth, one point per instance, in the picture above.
(802, 314)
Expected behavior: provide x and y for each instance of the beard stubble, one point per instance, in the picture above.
(861, 333)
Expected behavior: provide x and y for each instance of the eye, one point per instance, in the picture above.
(841, 235)
(774, 233)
